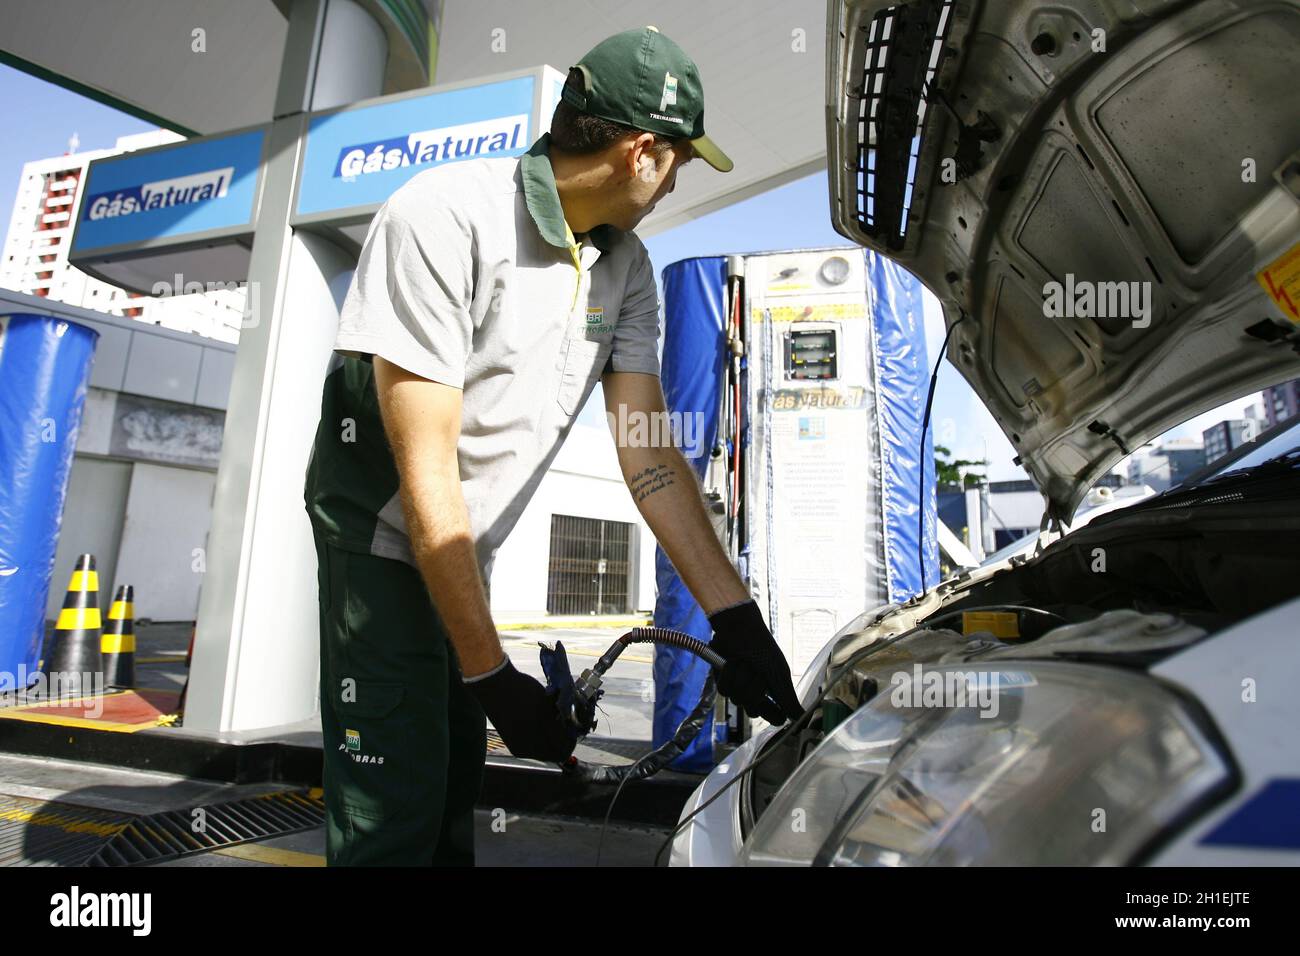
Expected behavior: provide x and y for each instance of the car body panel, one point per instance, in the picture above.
(1245, 678)
(1152, 162)
(1259, 735)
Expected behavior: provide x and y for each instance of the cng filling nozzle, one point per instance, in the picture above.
(576, 701)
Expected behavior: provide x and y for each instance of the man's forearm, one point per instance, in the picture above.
(438, 525)
(667, 493)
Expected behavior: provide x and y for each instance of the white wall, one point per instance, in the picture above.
(583, 481)
(1015, 509)
(92, 524)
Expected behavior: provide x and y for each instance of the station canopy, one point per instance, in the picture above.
(762, 63)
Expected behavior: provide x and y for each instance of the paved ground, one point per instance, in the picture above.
(57, 789)
(54, 789)
(627, 707)
(514, 840)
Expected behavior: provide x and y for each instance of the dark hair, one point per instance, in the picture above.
(573, 131)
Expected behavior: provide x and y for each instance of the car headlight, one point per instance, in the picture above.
(1042, 763)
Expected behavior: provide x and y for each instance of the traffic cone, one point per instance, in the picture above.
(75, 657)
(118, 644)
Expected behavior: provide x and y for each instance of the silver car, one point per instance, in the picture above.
(1105, 198)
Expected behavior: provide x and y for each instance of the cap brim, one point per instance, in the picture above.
(708, 151)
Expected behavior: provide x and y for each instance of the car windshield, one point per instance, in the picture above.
(1006, 551)
(1286, 442)
(1120, 498)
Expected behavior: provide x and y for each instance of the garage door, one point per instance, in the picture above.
(168, 513)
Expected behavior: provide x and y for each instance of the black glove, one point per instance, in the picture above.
(523, 714)
(756, 676)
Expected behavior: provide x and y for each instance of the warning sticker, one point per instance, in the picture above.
(1281, 280)
(807, 312)
(1001, 624)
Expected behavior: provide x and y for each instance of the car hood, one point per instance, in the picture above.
(1103, 197)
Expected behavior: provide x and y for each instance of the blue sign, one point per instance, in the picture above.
(194, 187)
(359, 157)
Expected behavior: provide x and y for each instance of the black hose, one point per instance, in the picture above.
(687, 730)
(925, 427)
(666, 635)
(657, 759)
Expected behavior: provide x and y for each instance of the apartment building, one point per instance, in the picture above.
(34, 260)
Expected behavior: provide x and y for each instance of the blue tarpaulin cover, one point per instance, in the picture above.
(44, 369)
(692, 374)
(902, 380)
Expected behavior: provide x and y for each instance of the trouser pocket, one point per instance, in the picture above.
(403, 739)
(377, 757)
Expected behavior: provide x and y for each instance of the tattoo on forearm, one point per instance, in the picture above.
(649, 480)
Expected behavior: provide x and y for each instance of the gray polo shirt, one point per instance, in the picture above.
(470, 276)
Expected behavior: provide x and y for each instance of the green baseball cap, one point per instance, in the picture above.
(642, 79)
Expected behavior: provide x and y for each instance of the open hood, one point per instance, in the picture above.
(1105, 195)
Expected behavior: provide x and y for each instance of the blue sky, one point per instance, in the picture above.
(40, 118)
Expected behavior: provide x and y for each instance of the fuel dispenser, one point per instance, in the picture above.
(808, 370)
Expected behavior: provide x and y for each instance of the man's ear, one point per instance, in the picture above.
(639, 155)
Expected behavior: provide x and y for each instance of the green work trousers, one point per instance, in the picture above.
(404, 740)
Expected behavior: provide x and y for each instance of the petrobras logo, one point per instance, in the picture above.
(430, 146)
(161, 194)
(669, 97)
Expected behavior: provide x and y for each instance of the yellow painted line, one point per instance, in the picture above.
(81, 701)
(267, 854)
(44, 818)
(575, 624)
(622, 657)
(161, 660)
(60, 721)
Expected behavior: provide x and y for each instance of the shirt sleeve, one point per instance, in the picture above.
(636, 336)
(410, 299)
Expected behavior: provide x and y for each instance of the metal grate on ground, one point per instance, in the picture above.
(49, 833)
(174, 833)
(42, 833)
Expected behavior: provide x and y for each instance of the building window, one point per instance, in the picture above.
(590, 566)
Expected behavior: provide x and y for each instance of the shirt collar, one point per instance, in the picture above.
(543, 200)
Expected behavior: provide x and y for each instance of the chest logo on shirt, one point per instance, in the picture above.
(596, 324)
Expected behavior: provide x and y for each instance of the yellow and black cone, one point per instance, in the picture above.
(118, 644)
(75, 657)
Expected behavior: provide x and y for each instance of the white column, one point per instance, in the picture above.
(256, 655)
